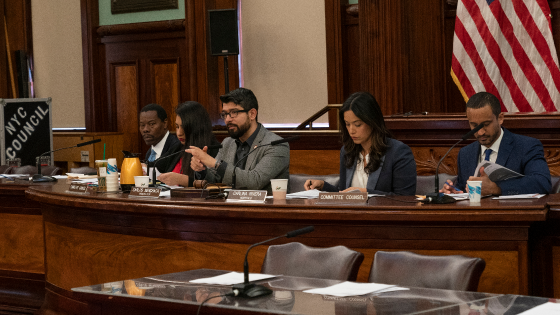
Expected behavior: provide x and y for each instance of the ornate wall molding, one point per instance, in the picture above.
(147, 27)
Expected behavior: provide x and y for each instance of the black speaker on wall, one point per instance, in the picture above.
(224, 38)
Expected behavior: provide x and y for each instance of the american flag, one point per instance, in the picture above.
(505, 47)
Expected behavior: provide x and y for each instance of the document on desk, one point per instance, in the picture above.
(544, 309)
(231, 278)
(523, 196)
(353, 289)
(311, 194)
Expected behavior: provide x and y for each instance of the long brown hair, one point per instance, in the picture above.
(197, 127)
(365, 107)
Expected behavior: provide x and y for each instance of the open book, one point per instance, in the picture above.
(496, 172)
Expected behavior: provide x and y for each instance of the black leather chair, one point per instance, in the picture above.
(436, 272)
(555, 185)
(296, 259)
(5, 169)
(86, 170)
(296, 181)
(26, 169)
(51, 170)
(427, 184)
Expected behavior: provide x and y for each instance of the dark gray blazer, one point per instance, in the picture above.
(170, 142)
(266, 163)
(395, 176)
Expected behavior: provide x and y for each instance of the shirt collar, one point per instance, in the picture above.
(495, 146)
(159, 146)
(251, 139)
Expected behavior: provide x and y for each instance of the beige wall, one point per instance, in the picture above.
(284, 60)
(58, 66)
(284, 57)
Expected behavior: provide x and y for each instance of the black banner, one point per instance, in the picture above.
(26, 131)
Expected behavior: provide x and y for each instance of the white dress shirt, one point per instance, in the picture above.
(159, 146)
(360, 177)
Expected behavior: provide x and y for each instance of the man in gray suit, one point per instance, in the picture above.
(253, 171)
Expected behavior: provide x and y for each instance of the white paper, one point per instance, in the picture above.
(462, 196)
(232, 278)
(310, 194)
(544, 309)
(353, 289)
(524, 196)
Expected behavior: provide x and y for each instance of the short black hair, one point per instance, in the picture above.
(242, 97)
(482, 99)
(155, 107)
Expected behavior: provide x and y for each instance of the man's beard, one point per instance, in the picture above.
(241, 130)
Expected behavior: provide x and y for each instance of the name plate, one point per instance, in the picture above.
(247, 196)
(78, 188)
(145, 192)
(346, 198)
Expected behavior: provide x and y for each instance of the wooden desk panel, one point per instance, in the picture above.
(99, 238)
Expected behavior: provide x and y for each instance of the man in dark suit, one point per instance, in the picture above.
(153, 127)
(521, 154)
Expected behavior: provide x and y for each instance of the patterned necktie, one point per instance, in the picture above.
(487, 156)
(152, 156)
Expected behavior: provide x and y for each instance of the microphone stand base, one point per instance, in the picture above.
(438, 198)
(251, 290)
(38, 178)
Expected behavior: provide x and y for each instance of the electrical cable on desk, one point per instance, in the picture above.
(406, 201)
(213, 297)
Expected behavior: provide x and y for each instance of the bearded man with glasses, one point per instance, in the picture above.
(239, 112)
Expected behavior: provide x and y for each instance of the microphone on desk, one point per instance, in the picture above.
(154, 166)
(252, 290)
(440, 198)
(275, 142)
(40, 178)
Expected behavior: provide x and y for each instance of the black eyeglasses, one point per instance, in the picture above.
(232, 113)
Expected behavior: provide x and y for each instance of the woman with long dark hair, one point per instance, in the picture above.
(370, 160)
(193, 128)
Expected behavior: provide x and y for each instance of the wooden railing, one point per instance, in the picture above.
(309, 121)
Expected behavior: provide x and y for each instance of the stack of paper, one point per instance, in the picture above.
(354, 289)
(232, 278)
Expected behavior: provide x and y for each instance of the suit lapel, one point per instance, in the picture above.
(472, 163)
(505, 148)
(350, 174)
(374, 177)
(253, 156)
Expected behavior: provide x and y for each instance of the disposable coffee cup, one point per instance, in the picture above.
(279, 188)
(112, 167)
(142, 181)
(112, 183)
(475, 188)
(101, 166)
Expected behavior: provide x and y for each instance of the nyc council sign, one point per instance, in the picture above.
(25, 129)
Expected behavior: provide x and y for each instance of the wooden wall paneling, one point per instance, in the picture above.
(95, 91)
(454, 100)
(422, 43)
(351, 47)
(124, 89)
(165, 87)
(382, 51)
(5, 76)
(335, 68)
(555, 21)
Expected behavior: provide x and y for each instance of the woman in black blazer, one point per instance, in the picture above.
(389, 167)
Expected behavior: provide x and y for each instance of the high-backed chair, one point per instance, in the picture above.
(86, 170)
(427, 183)
(27, 169)
(51, 170)
(5, 169)
(296, 181)
(298, 260)
(436, 272)
(555, 180)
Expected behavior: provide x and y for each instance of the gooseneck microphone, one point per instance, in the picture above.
(440, 198)
(154, 166)
(252, 290)
(275, 142)
(39, 178)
